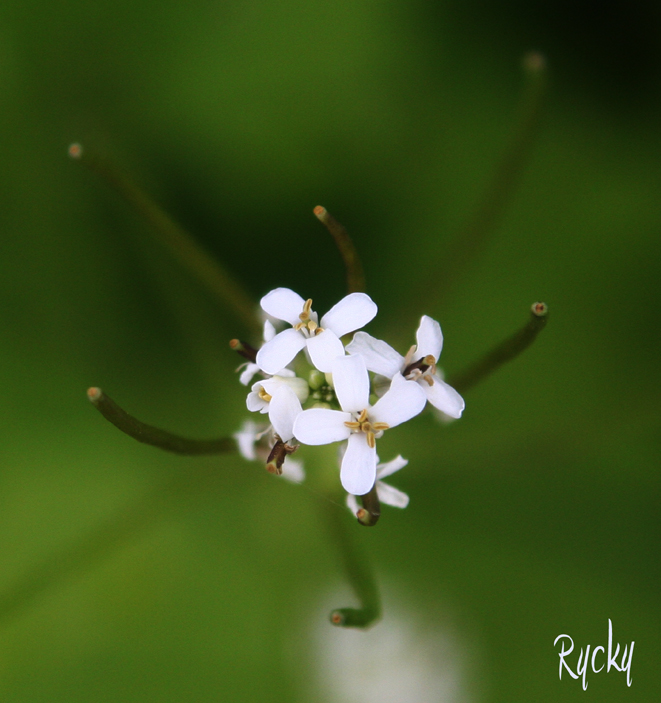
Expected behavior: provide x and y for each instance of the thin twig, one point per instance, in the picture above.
(503, 352)
(119, 529)
(474, 234)
(231, 295)
(152, 435)
(347, 249)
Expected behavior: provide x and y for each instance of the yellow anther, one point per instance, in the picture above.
(264, 395)
(380, 426)
(305, 315)
(429, 379)
(312, 325)
(363, 416)
(352, 425)
(371, 442)
(430, 360)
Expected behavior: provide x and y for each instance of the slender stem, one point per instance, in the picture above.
(503, 352)
(119, 529)
(359, 573)
(152, 435)
(473, 236)
(347, 249)
(230, 294)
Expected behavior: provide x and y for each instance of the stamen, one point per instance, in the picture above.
(305, 315)
(312, 326)
(363, 416)
(264, 395)
(352, 425)
(380, 426)
(371, 443)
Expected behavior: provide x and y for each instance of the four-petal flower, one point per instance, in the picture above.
(321, 338)
(358, 422)
(418, 365)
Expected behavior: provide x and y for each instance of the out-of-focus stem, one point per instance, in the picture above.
(470, 241)
(152, 435)
(118, 530)
(503, 352)
(359, 573)
(347, 249)
(229, 293)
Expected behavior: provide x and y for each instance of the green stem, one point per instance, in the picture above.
(503, 352)
(359, 573)
(476, 231)
(229, 293)
(152, 435)
(347, 249)
(110, 535)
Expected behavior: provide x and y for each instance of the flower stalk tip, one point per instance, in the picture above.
(75, 150)
(346, 247)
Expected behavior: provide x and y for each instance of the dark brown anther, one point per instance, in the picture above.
(278, 455)
(244, 349)
(420, 364)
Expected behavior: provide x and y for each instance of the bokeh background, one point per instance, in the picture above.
(536, 514)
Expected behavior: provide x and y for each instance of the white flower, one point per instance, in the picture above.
(281, 398)
(322, 339)
(419, 364)
(358, 422)
(387, 494)
(252, 445)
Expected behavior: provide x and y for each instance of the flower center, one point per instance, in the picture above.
(370, 429)
(422, 370)
(307, 325)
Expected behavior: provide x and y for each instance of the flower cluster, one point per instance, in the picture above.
(337, 387)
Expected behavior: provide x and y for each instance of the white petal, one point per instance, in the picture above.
(444, 397)
(292, 470)
(351, 382)
(324, 348)
(391, 496)
(248, 372)
(269, 331)
(429, 338)
(277, 353)
(358, 471)
(379, 356)
(283, 304)
(389, 467)
(245, 439)
(352, 503)
(254, 403)
(321, 426)
(283, 410)
(351, 313)
(404, 400)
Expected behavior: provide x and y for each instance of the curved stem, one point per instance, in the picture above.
(359, 573)
(110, 535)
(473, 236)
(347, 249)
(231, 295)
(152, 435)
(503, 352)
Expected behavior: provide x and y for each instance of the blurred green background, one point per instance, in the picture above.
(536, 514)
